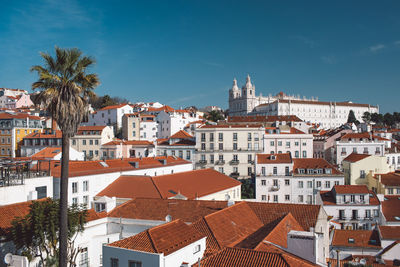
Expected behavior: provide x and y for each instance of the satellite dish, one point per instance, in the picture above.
(168, 218)
(8, 258)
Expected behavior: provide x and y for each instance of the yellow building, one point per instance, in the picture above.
(359, 168)
(13, 128)
(387, 184)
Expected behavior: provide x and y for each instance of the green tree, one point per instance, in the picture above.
(37, 234)
(366, 117)
(388, 119)
(377, 118)
(215, 115)
(65, 88)
(107, 101)
(352, 118)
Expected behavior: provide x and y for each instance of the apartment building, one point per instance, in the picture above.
(139, 126)
(360, 168)
(323, 145)
(229, 149)
(110, 116)
(37, 141)
(89, 140)
(282, 179)
(180, 144)
(385, 183)
(13, 128)
(286, 139)
(119, 149)
(353, 206)
(173, 120)
(393, 155)
(360, 143)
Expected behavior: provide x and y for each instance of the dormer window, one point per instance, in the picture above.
(328, 171)
(319, 171)
(310, 171)
(351, 240)
(302, 171)
(273, 157)
(99, 207)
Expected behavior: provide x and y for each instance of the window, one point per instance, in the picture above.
(362, 173)
(74, 142)
(234, 136)
(296, 143)
(263, 182)
(355, 214)
(275, 171)
(86, 200)
(318, 184)
(309, 199)
(263, 170)
(275, 182)
(74, 200)
(376, 213)
(221, 146)
(300, 185)
(180, 154)
(296, 154)
(263, 197)
(341, 215)
(96, 142)
(275, 198)
(287, 197)
(221, 169)
(114, 261)
(203, 146)
(134, 133)
(211, 137)
(287, 144)
(367, 213)
(212, 159)
(279, 143)
(85, 186)
(196, 249)
(248, 136)
(390, 191)
(220, 136)
(287, 182)
(211, 146)
(187, 154)
(99, 207)
(75, 187)
(304, 154)
(221, 157)
(234, 146)
(248, 146)
(352, 198)
(90, 142)
(309, 184)
(203, 137)
(272, 143)
(249, 171)
(362, 198)
(327, 184)
(133, 124)
(301, 198)
(84, 142)
(336, 182)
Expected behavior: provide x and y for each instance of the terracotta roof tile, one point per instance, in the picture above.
(115, 106)
(389, 179)
(390, 232)
(5, 115)
(391, 208)
(238, 257)
(313, 163)
(191, 184)
(356, 238)
(166, 238)
(364, 135)
(329, 199)
(251, 126)
(158, 209)
(351, 189)
(44, 135)
(180, 135)
(9, 212)
(354, 157)
(47, 152)
(284, 158)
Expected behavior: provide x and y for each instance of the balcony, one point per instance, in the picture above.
(220, 162)
(202, 162)
(274, 188)
(234, 175)
(234, 162)
(250, 161)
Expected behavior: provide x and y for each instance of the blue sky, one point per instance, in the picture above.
(184, 53)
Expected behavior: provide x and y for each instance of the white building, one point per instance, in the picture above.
(353, 206)
(285, 139)
(180, 144)
(360, 143)
(172, 121)
(281, 179)
(230, 149)
(393, 156)
(88, 178)
(139, 126)
(172, 244)
(327, 114)
(110, 115)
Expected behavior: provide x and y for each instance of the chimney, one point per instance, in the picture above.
(379, 178)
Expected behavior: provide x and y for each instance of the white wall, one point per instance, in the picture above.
(124, 255)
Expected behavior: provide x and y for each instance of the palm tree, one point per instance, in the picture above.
(65, 88)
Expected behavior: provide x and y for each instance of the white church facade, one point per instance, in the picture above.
(327, 114)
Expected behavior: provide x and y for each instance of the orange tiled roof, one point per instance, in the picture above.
(82, 168)
(346, 262)
(328, 199)
(9, 212)
(274, 158)
(391, 208)
(129, 143)
(313, 163)
(5, 115)
(238, 257)
(251, 126)
(166, 238)
(157, 209)
(354, 157)
(42, 135)
(180, 135)
(364, 135)
(360, 238)
(47, 152)
(90, 128)
(351, 189)
(390, 232)
(191, 184)
(114, 106)
(389, 179)
(163, 108)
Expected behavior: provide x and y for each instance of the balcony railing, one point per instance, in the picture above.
(250, 161)
(234, 162)
(220, 162)
(234, 174)
(274, 188)
(202, 162)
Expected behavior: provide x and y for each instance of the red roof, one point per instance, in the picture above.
(329, 199)
(47, 152)
(190, 184)
(166, 238)
(364, 135)
(356, 238)
(390, 232)
(41, 135)
(9, 212)
(354, 157)
(90, 128)
(351, 189)
(5, 115)
(391, 208)
(313, 163)
(181, 135)
(114, 106)
(389, 179)
(274, 158)
(157, 209)
(251, 126)
(129, 143)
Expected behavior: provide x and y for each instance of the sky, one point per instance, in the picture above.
(184, 53)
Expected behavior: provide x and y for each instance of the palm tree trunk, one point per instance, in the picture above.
(63, 238)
